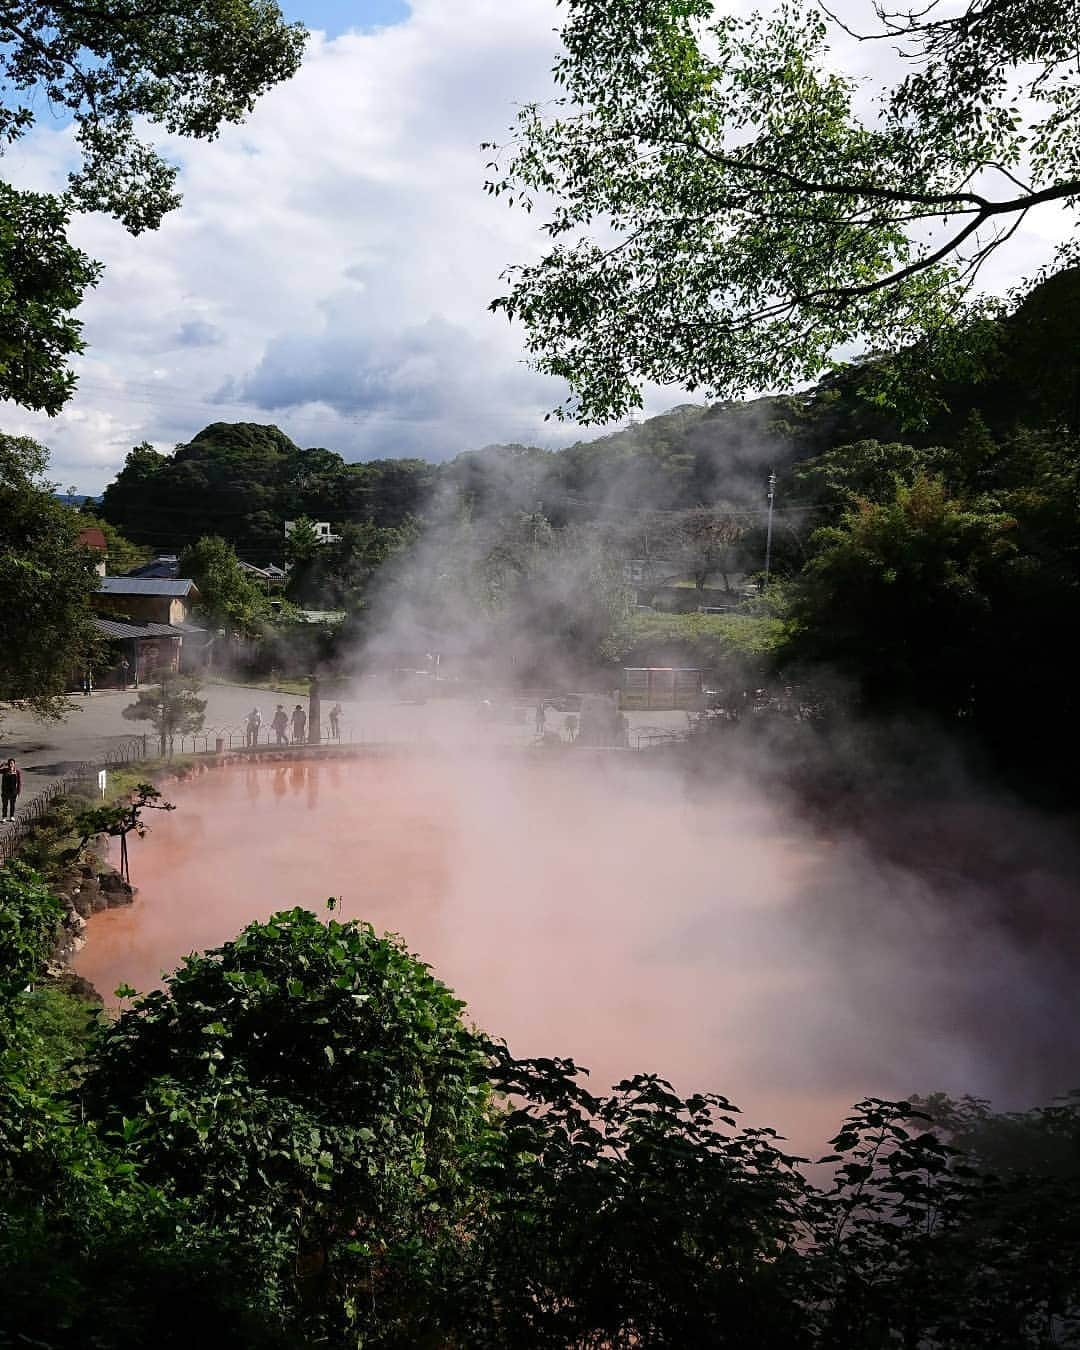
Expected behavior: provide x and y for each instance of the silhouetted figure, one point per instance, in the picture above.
(10, 787)
(124, 669)
(335, 721)
(299, 725)
(88, 683)
(280, 723)
(541, 718)
(254, 724)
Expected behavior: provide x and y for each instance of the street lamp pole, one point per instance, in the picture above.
(768, 530)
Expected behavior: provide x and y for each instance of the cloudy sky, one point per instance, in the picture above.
(332, 263)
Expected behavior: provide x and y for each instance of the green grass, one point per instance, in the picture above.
(708, 640)
(299, 686)
(54, 836)
(122, 781)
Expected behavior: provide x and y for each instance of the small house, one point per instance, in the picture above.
(147, 599)
(148, 649)
(322, 529)
(93, 538)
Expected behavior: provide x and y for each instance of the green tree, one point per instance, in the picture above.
(865, 469)
(337, 575)
(186, 68)
(706, 541)
(724, 216)
(30, 915)
(311, 1088)
(119, 819)
(122, 554)
(353, 561)
(172, 707)
(42, 282)
(897, 595)
(239, 480)
(568, 602)
(303, 553)
(636, 1218)
(46, 580)
(227, 595)
(641, 1218)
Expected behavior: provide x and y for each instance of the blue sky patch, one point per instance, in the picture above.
(339, 16)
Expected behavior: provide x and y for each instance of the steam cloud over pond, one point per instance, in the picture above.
(614, 912)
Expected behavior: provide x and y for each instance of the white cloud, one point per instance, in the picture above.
(331, 266)
(332, 263)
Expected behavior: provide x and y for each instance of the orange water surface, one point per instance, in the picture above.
(620, 916)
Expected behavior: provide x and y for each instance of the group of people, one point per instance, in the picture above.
(281, 724)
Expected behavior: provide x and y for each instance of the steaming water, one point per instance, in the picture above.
(599, 909)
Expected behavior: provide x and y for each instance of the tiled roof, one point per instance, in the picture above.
(92, 537)
(117, 629)
(180, 588)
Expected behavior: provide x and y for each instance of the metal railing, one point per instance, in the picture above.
(30, 813)
(235, 736)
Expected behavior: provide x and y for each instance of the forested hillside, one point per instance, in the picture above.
(243, 480)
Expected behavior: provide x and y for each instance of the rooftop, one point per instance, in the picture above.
(119, 629)
(180, 587)
(165, 565)
(92, 537)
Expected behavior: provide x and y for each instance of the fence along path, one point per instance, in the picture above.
(237, 736)
(13, 833)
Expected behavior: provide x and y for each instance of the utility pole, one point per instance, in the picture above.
(768, 530)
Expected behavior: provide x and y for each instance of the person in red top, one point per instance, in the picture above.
(10, 787)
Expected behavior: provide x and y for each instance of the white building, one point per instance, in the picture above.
(321, 527)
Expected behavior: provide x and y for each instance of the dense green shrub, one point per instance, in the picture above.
(299, 1142)
(29, 915)
(311, 1088)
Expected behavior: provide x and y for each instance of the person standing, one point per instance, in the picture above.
(10, 787)
(124, 668)
(541, 717)
(335, 721)
(280, 723)
(299, 725)
(254, 723)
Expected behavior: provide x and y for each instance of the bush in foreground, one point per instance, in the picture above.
(301, 1141)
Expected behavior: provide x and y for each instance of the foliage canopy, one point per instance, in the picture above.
(46, 579)
(172, 707)
(227, 595)
(723, 215)
(186, 68)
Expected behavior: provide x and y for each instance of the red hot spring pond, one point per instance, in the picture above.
(622, 916)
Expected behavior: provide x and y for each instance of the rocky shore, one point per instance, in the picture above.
(86, 887)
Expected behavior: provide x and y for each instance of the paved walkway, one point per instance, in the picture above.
(46, 751)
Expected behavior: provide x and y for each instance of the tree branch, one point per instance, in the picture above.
(984, 206)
